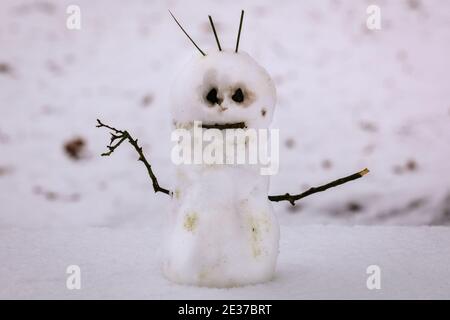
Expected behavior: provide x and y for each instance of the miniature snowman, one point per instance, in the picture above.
(222, 230)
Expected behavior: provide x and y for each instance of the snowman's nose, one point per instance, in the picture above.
(222, 109)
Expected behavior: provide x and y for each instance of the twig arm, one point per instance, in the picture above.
(294, 197)
(120, 136)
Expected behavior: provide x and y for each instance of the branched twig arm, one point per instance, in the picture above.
(120, 136)
(294, 197)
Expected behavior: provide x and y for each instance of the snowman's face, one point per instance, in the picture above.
(223, 88)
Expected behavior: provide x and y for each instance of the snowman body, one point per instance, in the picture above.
(222, 231)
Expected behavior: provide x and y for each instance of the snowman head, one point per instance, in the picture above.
(225, 88)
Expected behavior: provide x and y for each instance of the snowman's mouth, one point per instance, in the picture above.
(224, 126)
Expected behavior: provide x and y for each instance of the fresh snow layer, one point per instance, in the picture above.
(314, 262)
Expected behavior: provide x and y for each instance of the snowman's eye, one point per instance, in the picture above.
(212, 96)
(238, 96)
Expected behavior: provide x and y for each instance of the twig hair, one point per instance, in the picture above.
(187, 34)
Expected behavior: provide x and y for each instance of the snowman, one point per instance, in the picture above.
(221, 230)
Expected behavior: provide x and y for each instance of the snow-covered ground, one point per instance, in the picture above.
(348, 98)
(315, 262)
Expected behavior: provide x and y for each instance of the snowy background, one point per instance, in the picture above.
(348, 98)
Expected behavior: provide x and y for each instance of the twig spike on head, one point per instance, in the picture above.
(215, 34)
(239, 32)
(182, 29)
